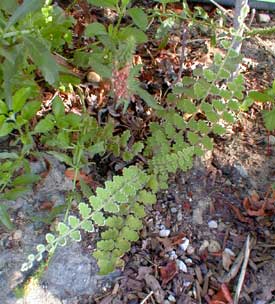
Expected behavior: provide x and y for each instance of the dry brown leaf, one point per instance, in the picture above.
(168, 272)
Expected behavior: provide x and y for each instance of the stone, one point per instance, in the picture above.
(164, 232)
(184, 245)
(204, 245)
(242, 171)
(213, 224)
(172, 299)
(182, 266)
(214, 246)
(264, 18)
(174, 210)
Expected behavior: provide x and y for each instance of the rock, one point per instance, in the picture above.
(184, 245)
(214, 246)
(203, 204)
(188, 262)
(243, 173)
(17, 235)
(190, 250)
(182, 266)
(204, 245)
(213, 224)
(264, 18)
(174, 210)
(172, 299)
(164, 232)
(179, 216)
(173, 255)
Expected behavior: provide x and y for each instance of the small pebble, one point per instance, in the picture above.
(190, 250)
(204, 245)
(174, 210)
(164, 233)
(186, 283)
(17, 235)
(214, 246)
(213, 224)
(264, 18)
(182, 266)
(173, 255)
(179, 216)
(172, 299)
(188, 261)
(184, 245)
(229, 251)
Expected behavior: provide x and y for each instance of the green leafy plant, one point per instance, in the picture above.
(198, 108)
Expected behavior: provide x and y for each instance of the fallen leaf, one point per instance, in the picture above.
(239, 215)
(223, 296)
(70, 173)
(250, 208)
(47, 205)
(168, 272)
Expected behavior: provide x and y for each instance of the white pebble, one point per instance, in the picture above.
(213, 224)
(184, 244)
(188, 261)
(173, 255)
(204, 245)
(182, 266)
(172, 299)
(229, 251)
(174, 210)
(164, 232)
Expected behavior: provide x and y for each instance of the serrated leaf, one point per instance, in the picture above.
(133, 222)
(87, 226)
(73, 221)
(85, 189)
(76, 236)
(228, 117)
(139, 210)
(147, 198)
(96, 203)
(62, 228)
(226, 44)
(260, 97)
(209, 75)
(114, 222)
(139, 17)
(124, 245)
(202, 127)
(224, 74)
(187, 106)
(105, 266)
(212, 116)
(110, 234)
(106, 245)
(20, 98)
(150, 101)
(218, 105)
(218, 58)
(137, 34)
(95, 29)
(84, 210)
(98, 218)
(41, 248)
(124, 138)
(200, 90)
(62, 242)
(137, 147)
(129, 234)
(193, 137)
(50, 238)
(218, 129)
(111, 207)
(207, 143)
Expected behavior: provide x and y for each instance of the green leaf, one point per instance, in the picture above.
(97, 148)
(15, 192)
(20, 98)
(58, 107)
(105, 245)
(30, 109)
(3, 107)
(209, 75)
(88, 226)
(193, 137)
(106, 266)
(8, 155)
(96, 202)
(104, 3)
(187, 106)
(226, 44)
(224, 74)
(228, 117)
(85, 189)
(62, 157)
(260, 97)
(76, 236)
(95, 29)
(212, 116)
(200, 89)
(148, 98)
(45, 125)
(129, 234)
(147, 198)
(111, 207)
(124, 245)
(111, 233)
(269, 119)
(41, 248)
(139, 17)
(62, 228)
(98, 218)
(137, 34)
(6, 128)
(26, 179)
(133, 222)
(73, 221)
(84, 210)
(114, 222)
(5, 218)
(50, 238)
(22, 10)
(139, 210)
(218, 129)
(137, 147)
(207, 143)
(43, 59)
(218, 105)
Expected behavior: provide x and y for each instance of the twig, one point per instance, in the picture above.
(243, 270)
(147, 297)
